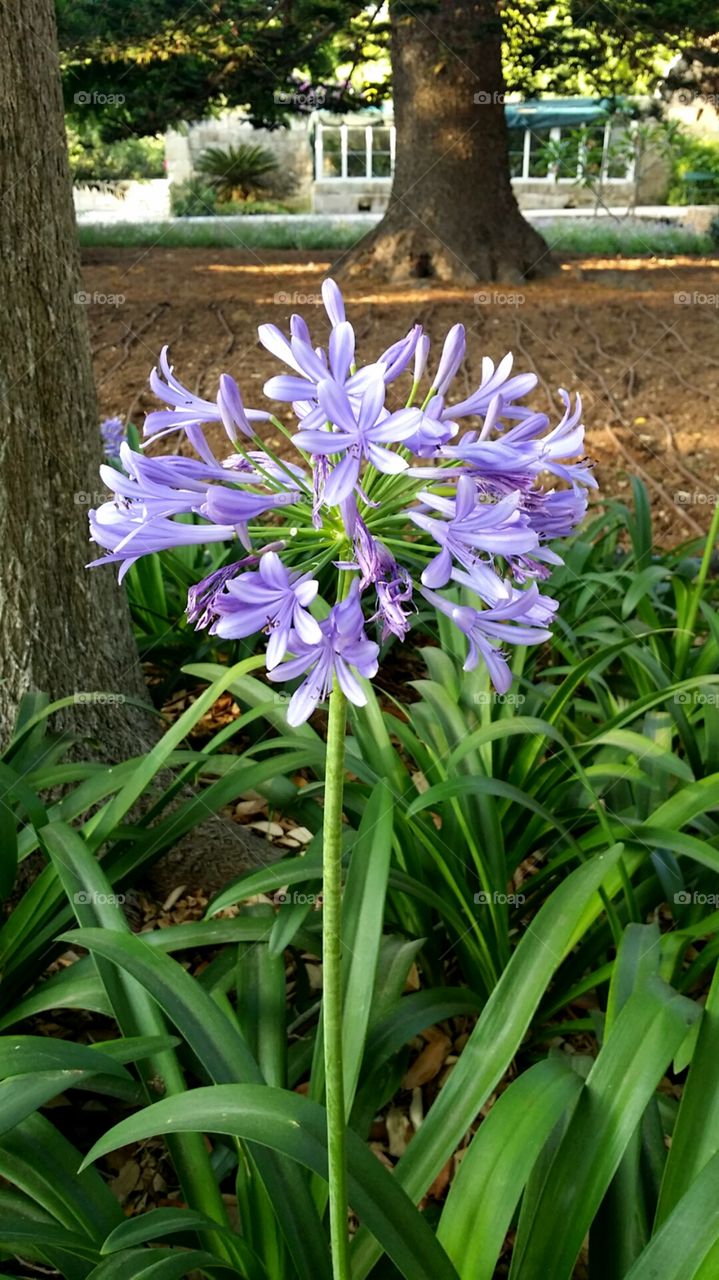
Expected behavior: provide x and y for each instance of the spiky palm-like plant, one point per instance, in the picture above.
(237, 172)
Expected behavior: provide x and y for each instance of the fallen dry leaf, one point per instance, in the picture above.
(267, 828)
(428, 1064)
(126, 1180)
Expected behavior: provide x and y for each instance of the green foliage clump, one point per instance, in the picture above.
(630, 238)
(251, 207)
(291, 233)
(94, 161)
(695, 171)
(193, 198)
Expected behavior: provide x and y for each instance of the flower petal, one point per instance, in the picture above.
(349, 684)
(273, 571)
(276, 647)
(439, 570)
(333, 300)
(342, 350)
(276, 343)
(307, 627)
(336, 404)
(303, 703)
(323, 442)
(285, 387)
(371, 404)
(342, 480)
(384, 460)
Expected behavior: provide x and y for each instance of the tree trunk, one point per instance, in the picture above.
(452, 213)
(63, 630)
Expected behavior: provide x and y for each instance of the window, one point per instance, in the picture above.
(600, 151)
(619, 152)
(563, 155)
(590, 157)
(382, 151)
(330, 161)
(354, 151)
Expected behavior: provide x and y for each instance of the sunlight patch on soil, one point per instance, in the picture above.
(266, 268)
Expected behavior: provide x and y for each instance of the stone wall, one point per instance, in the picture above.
(351, 195)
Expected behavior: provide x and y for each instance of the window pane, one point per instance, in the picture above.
(618, 153)
(331, 162)
(516, 152)
(538, 160)
(381, 164)
(356, 153)
(381, 155)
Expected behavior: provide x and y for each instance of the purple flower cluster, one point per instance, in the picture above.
(112, 434)
(392, 495)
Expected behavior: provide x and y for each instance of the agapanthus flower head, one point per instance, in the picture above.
(392, 494)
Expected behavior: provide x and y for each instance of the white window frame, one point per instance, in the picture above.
(552, 176)
(555, 134)
(343, 130)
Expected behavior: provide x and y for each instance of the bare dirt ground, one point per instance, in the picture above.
(637, 338)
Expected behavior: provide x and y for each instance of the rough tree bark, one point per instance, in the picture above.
(452, 214)
(62, 629)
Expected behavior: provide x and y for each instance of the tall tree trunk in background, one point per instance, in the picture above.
(452, 212)
(62, 629)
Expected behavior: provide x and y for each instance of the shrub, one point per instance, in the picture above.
(195, 199)
(573, 1005)
(238, 172)
(192, 199)
(694, 156)
(93, 161)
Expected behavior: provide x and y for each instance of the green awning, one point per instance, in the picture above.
(563, 113)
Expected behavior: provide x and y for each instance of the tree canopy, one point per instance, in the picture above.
(142, 67)
(592, 47)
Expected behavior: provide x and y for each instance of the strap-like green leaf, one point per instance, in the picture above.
(225, 1056)
(38, 1161)
(162, 1264)
(291, 1124)
(485, 1192)
(556, 928)
(678, 1250)
(362, 924)
(646, 1034)
(696, 1134)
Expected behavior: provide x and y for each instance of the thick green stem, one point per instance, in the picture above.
(332, 981)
